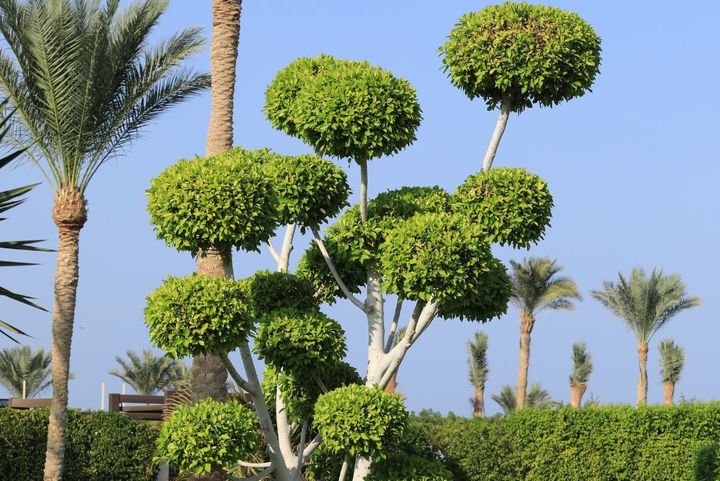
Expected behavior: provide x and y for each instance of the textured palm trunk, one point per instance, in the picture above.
(576, 394)
(526, 326)
(69, 213)
(392, 384)
(479, 402)
(668, 393)
(642, 387)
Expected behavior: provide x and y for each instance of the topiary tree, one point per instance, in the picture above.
(422, 245)
(516, 55)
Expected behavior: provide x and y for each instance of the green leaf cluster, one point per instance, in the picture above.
(300, 392)
(444, 258)
(215, 202)
(511, 205)
(309, 189)
(208, 435)
(408, 467)
(707, 462)
(360, 421)
(193, 315)
(268, 291)
(527, 54)
(343, 108)
(300, 341)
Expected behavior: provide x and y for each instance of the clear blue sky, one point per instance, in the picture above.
(633, 168)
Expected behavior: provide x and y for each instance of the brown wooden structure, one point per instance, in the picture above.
(149, 408)
(18, 403)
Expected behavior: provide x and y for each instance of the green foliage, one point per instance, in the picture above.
(537, 398)
(408, 467)
(477, 359)
(216, 202)
(195, 315)
(310, 189)
(360, 421)
(269, 291)
(21, 364)
(208, 435)
(511, 205)
(672, 360)
(300, 392)
(707, 463)
(582, 364)
(537, 285)
(616, 443)
(100, 446)
(300, 342)
(355, 246)
(527, 54)
(344, 108)
(147, 373)
(445, 258)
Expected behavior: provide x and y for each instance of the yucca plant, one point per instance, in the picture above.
(672, 361)
(536, 286)
(84, 81)
(9, 199)
(582, 368)
(646, 304)
(478, 364)
(20, 365)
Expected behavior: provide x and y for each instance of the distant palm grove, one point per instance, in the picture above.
(249, 378)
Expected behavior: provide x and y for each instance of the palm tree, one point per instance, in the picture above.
(209, 376)
(645, 303)
(672, 360)
(582, 368)
(147, 373)
(537, 398)
(536, 286)
(9, 199)
(20, 365)
(84, 82)
(478, 364)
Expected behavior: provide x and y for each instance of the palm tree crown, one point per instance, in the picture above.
(84, 81)
(147, 373)
(477, 360)
(672, 360)
(536, 286)
(582, 364)
(18, 364)
(645, 303)
(537, 398)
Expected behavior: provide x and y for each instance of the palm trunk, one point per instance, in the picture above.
(69, 213)
(479, 402)
(392, 384)
(576, 394)
(642, 387)
(668, 393)
(526, 326)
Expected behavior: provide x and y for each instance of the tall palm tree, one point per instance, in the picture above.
(20, 365)
(582, 368)
(672, 361)
(84, 82)
(477, 361)
(9, 199)
(536, 286)
(537, 398)
(148, 374)
(646, 304)
(209, 376)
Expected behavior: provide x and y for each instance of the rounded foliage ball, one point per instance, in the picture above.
(281, 94)
(193, 315)
(300, 341)
(525, 54)
(300, 392)
(207, 436)
(446, 259)
(215, 202)
(344, 108)
(310, 189)
(360, 421)
(511, 205)
(268, 291)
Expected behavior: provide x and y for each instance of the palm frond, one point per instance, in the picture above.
(672, 361)
(477, 359)
(582, 364)
(20, 364)
(148, 373)
(536, 286)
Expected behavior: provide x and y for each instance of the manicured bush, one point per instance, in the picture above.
(707, 462)
(100, 446)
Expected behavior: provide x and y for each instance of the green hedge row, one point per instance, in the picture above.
(100, 446)
(611, 443)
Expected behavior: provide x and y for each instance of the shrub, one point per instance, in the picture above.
(707, 463)
(100, 446)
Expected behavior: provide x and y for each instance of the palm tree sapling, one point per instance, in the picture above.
(477, 362)
(582, 368)
(672, 360)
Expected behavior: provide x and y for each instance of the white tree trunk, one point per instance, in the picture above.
(362, 469)
(497, 135)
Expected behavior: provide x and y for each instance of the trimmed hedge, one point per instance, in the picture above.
(100, 446)
(608, 443)
(707, 463)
